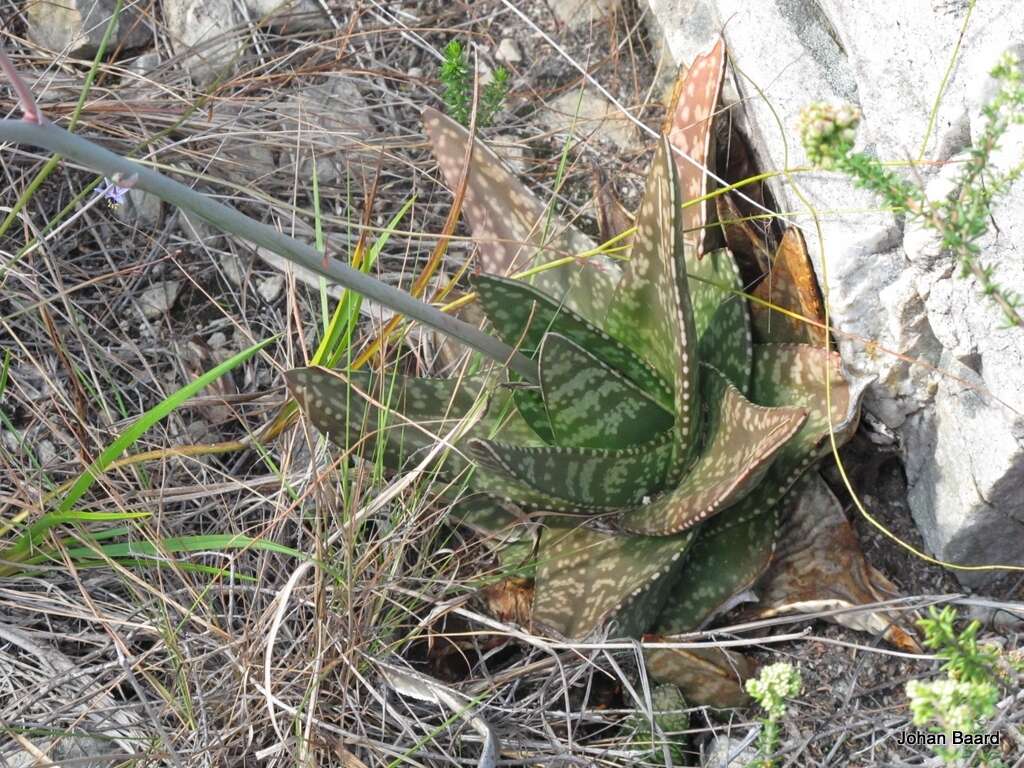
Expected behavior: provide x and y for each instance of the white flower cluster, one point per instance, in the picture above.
(828, 131)
(775, 684)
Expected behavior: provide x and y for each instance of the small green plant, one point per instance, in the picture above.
(776, 684)
(458, 88)
(963, 701)
(828, 134)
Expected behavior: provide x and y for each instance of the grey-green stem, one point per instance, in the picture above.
(96, 158)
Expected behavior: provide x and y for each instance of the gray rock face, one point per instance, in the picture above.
(76, 27)
(579, 13)
(206, 34)
(950, 374)
(330, 121)
(290, 14)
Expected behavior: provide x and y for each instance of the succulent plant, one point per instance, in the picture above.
(658, 439)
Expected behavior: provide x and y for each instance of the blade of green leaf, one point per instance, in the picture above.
(651, 311)
(585, 577)
(742, 442)
(592, 405)
(521, 315)
(147, 420)
(587, 477)
(721, 318)
(512, 228)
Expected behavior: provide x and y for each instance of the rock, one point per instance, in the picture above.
(76, 27)
(217, 341)
(724, 751)
(13, 440)
(332, 122)
(293, 15)
(508, 51)
(270, 288)
(234, 269)
(579, 13)
(206, 34)
(158, 299)
(594, 116)
(949, 373)
(46, 452)
(139, 208)
(144, 63)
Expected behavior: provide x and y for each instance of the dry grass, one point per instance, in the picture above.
(275, 661)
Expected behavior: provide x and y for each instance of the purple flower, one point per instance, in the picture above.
(115, 195)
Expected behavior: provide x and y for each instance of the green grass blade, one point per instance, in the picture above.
(147, 420)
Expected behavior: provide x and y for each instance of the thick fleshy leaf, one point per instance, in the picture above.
(743, 439)
(790, 285)
(720, 316)
(585, 477)
(585, 577)
(743, 537)
(591, 404)
(406, 414)
(796, 374)
(521, 315)
(729, 555)
(712, 677)
(531, 408)
(661, 728)
(487, 514)
(513, 229)
(819, 566)
(651, 311)
(419, 411)
(694, 104)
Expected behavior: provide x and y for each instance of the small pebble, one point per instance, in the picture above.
(158, 299)
(270, 287)
(46, 453)
(233, 269)
(508, 51)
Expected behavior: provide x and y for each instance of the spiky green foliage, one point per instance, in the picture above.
(458, 88)
(653, 410)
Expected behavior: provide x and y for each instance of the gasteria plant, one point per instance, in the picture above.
(657, 440)
(638, 415)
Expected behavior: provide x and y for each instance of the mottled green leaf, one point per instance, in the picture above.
(743, 439)
(729, 555)
(586, 477)
(521, 315)
(585, 577)
(663, 727)
(734, 548)
(486, 513)
(720, 316)
(531, 408)
(417, 412)
(592, 405)
(651, 311)
(406, 414)
(796, 374)
(513, 229)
